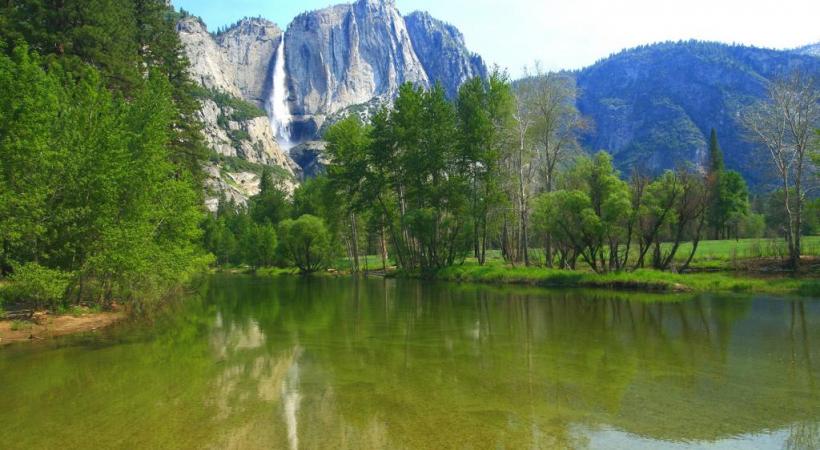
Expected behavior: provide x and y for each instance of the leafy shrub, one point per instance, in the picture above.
(33, 283)
(240, 109)
(306, 242)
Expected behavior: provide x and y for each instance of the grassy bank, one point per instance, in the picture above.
(640, 280)
(746, 265)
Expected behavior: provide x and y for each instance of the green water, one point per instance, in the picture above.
(337, 363)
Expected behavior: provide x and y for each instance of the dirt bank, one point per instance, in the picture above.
(45, 326)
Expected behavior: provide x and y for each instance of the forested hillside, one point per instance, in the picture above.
(654, 106)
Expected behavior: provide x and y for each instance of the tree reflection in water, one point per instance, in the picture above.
(317, 363)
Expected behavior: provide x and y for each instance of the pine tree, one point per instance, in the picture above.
(728, 193)
(715, 154)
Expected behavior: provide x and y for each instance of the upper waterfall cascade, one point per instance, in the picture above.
(277, 104)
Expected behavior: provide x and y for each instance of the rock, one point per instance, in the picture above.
(341, 60)
(249, 48)
(348, 54)
(443, 53)
(235, 62)
(209, 65)
(311, 157)
(236, 187)
(251, 139)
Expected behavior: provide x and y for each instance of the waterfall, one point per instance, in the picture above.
(277, 104)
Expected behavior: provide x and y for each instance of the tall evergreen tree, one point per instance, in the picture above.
(715, 154)
(728, 194)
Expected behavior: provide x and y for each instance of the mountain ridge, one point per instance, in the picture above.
(340, 60)
(651, 105)
(655, 105)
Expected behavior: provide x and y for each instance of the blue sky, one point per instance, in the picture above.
(570, 34)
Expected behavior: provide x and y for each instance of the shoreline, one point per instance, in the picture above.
(643, 280)
(45, 326)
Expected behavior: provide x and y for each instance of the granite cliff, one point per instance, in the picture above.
(341, 60)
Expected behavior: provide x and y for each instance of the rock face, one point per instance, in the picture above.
(209, 65)
(237, 61)
(311, 157)
(341, 60)
(348, 54)
(443, 53)
(811, 50)
(249, 47)
(251, 139)
(654, 106)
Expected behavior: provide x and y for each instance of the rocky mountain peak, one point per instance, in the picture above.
(250, 26)
(423, 20)
(346, 55)
(811, 49)
(443, 52)
(343, 59)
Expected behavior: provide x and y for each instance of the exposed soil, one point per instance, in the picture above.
(44, 325)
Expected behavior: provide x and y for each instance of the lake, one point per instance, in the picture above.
(288, 363)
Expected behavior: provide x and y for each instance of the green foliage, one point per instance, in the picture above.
(753, 226)
(643, 280)
(238, 110)
(90, 185)
(772, 208)
(589, 221)
(236, 164)
(306, 242)
(484, 112)
(271, 205)
(38, 285)
(715, 154)
(728, 194)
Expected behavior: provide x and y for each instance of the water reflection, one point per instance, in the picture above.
(291, 363)
(292, 399)
(390, 363)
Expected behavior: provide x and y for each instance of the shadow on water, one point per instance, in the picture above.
(314, 363)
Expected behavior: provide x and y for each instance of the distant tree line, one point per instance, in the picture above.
(428, 183)
(436, 182)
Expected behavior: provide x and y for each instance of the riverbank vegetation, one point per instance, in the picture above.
(437, 188)
(100, 174)
(638, 280)
(102, 154)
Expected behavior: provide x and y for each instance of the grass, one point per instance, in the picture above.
(720, 254)
(19, 325)
(371, 262)
(276, 271)
(642, 280)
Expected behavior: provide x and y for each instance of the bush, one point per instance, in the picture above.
(306, 242)
(41, 286)
(753, 226)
